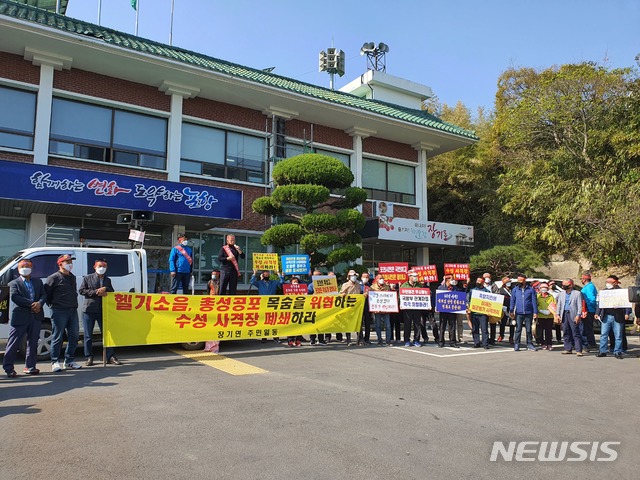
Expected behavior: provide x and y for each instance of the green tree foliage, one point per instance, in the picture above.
(569, 144)
(307, 212)
(506, 260)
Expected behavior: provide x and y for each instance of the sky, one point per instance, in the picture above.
(459, 49)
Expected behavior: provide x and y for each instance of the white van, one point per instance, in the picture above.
(126, 268)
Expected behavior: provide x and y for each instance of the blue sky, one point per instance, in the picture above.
(459, 49)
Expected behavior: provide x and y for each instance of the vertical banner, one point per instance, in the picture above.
(426, 273)
(295, 264)
(451, 302)
(394, 272)
(415, 299)
(4, 304)
(383, 302)
(266, 261)
(459, 271)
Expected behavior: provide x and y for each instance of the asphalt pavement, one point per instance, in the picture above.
(266, 411)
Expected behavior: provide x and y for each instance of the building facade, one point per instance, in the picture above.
(95, 123)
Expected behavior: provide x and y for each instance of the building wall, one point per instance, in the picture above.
(225, 113)
(388, 148)
(14, 67)
(321, 134)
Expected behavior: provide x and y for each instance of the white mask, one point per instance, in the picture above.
(544, 290)
(365, 279)
(354, 278)
(609, 285)
(184, 242)
(101, 270)
(381, 281)
(68, 266)
(213, 276)
(487, 280)
(413, 278)
(453, 282)
(25, 272)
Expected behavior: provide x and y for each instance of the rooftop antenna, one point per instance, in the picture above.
(332, 61)
(376, 56)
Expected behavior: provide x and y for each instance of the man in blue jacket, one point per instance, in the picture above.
(524, 308)
(181, 265)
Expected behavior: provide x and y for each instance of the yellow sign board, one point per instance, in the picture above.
(145, 319)
(325, 284)
(486, 303)
(266, 261)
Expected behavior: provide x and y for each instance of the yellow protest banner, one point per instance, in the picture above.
(324, 284)
(150, 319)
(486, 303)
(266, 261)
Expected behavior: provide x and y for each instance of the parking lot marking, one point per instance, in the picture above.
(464, 354)
(220, 362)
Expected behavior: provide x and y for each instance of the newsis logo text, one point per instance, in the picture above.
(532, 451)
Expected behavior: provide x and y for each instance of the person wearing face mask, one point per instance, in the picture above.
(228, 257)
(612, 319)
(546, 312)
(570, 308)
(62, 296)
(590, 295)
(93, 288)
(181, 265)
(380, 318)
(350, 287)
(505, 291)
(493, 321)
(524, 308)
(28, 297)
(478, 322)
(448, 320)
(364, 334)
(412, 317)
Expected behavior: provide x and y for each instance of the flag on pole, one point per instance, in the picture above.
(134, 4)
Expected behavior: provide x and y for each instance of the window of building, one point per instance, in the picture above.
(13, 236)
(294, 149)
(17, 118)
(106, 134)
(219, 153)
(389, 181)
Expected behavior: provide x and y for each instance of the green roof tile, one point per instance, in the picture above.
(10, 8)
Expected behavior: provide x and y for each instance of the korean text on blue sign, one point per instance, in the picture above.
(451, 302)
(295, 264)
(44, 183)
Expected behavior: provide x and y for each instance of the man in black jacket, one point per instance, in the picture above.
(229, 267)
(62, 296)
(94, 287)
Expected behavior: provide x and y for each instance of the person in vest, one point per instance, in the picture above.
(181, 265)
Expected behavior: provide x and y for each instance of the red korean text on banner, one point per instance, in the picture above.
(426, 273)
(394, 272)
(459, 271)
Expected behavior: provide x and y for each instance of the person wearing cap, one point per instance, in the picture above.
(612, 321)
(181, 265)
(350, 287)
(28, 297)
(93, 288)
(590, 295)
(412, 316)
(448, 320)
(523, 307)
(62, 296)
(546, 313)
(380, 318)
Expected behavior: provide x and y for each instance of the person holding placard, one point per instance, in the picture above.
(612, 319)
(478, 322)
(448, 320)
(412, 316)
(380, 318)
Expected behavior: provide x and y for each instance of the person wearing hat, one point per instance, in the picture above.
(590, 295)
(350, 287)
(62, 296)
(181, 265)
(412, 317)
(27, 297)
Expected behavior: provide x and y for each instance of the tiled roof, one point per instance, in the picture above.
(417, 117)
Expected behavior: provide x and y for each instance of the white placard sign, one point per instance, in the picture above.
(383, 302)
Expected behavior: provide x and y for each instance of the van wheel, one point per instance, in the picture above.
(192, 346)
(44, 343)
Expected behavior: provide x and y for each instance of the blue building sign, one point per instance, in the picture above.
(44, 183)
